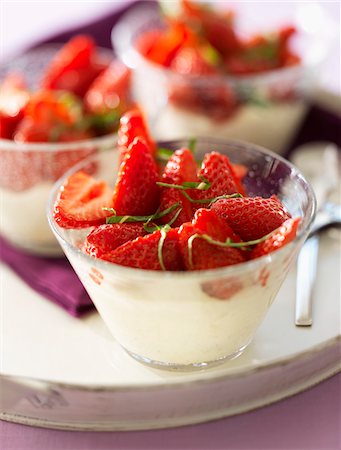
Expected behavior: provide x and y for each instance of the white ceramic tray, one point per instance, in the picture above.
(61, 372)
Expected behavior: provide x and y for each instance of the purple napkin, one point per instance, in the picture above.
(55, 278)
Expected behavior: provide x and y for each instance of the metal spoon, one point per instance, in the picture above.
(319, 162)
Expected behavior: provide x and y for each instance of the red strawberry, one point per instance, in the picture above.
(47, 115)
(13, 99)
(81, 200)
(180, 167)
(252, 217)
(136, 192)
(208, 222)
(132, 125)
(285, 234)
(204, 254)
(189, 61)
(142, 253)
(217, 169)
(216, 27)
(74, 67)
(163, 46)
(106, 238)
(109, 90)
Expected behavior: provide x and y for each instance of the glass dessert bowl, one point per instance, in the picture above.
(190, 319)
(52, 115)
(265, 107)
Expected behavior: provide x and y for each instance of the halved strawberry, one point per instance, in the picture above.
(136, 192)
(132, 125)
(202, 254)
(285, 234)
(252, 217)
(81, 201)
(217, 169)
(109, 91)
(74, 67)
(143, 252)
(106, 238)
(180, 167)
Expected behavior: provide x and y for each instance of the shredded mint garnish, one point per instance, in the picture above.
(157, 215)
(163, 154)
(210, 201)
(201, 185)
(164, 230)
(192, 144)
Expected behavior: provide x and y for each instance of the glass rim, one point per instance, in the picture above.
(232, 270)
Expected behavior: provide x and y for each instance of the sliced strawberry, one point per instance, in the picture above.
(136, 192)
(13, 99)
(132, 125)
(206, 255)
(180, 167)
(109, 91)
(252, 217)
(106, 238)
(143, 252)
(285, 234)
(217, 169)
(81, 201)
(74, 67)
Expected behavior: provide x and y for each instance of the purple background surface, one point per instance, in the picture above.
(310, 420)
(307, 421)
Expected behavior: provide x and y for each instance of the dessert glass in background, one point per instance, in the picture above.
(265, 108)
(189, 320)
(28, 170)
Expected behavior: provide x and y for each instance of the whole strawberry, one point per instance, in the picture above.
(252, 217)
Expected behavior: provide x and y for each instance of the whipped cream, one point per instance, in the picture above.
(23, 219)
(172, 319)
(270, 126)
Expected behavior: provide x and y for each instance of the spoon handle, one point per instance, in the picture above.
(305, 281)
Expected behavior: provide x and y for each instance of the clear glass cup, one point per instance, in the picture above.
(29, 170)
(189, 320)
(266, 108)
